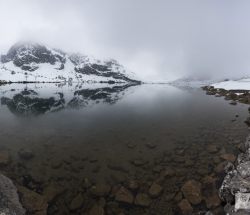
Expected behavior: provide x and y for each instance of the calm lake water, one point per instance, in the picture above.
(72, 144)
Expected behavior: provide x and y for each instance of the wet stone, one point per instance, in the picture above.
(142, 199)
(124, 195)
(192, 191)
(185, 207)
(155, 190)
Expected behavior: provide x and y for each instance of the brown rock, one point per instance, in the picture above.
(124, 195)
(142, 199)
(32, 201)
(228, 157)
(155, 190)
(96, 210)
(192, 191)
(185, 207)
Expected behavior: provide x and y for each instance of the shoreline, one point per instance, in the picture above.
(235, 188)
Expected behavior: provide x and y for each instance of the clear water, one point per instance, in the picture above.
(112, 135)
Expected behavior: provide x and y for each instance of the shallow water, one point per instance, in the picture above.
(80, 136)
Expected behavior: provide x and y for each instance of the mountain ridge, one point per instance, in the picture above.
(33, 62)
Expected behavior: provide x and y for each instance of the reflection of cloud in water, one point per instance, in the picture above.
(40, 99)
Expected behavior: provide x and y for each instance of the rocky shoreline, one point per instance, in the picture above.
(235, 188)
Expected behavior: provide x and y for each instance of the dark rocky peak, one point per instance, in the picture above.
(26, 55)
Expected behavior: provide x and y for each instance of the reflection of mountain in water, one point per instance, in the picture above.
(43, 99)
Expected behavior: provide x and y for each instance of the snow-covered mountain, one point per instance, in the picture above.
(32, 62)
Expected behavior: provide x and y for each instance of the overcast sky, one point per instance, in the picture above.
(157, 39)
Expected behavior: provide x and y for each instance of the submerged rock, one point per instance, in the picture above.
(155, 190)
(185, 207)
(192, 191)
(9, 204)
(142, 199)
(76, 202)
(4, 157)
(32, 201)
(228, 157)
(124, 195)
(25, 154)
(96, 210)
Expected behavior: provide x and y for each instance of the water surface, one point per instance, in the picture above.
(85, 135)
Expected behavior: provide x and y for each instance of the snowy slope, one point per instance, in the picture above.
(242, 84)
(31, 62)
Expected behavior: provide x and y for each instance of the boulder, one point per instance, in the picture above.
(9, 204)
